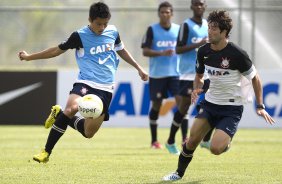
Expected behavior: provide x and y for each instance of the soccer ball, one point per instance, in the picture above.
(90, 106)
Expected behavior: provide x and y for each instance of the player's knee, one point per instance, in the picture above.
(74, 109)
(191, 143)
(67, 111)
(89, 135)
(216, 150)
(70, 111)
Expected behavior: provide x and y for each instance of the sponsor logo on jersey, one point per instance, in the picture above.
(101, 48)
(217, 72)
(166, 43)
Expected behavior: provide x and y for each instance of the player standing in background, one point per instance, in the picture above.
(96, 46)
(227, 66)
(159, 45)
(193, 33)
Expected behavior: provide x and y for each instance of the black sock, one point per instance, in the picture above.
(77, 123)
(208, 136)
(177, 119)
(153, 117)
(153, 128)
(184, 128)
(57, 130)
(184, 159)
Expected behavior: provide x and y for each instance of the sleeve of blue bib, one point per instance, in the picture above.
(73, 42)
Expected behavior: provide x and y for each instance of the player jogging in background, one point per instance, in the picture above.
(227, 66)
(193, 33)
(97, 46)
(159, 45)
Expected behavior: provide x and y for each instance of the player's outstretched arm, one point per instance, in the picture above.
(258, 93)
(126, 56)
(45, 54)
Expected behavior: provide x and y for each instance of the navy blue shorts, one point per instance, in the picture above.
(163, 87)
(223, 117)
(106, 97)
(186, 87)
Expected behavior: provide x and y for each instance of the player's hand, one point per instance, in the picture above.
(204, 41)
(266, 116)
(23, 55)
(144, 75)
(195, 95)
(168, 52)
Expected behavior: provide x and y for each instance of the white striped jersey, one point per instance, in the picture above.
(226, 69)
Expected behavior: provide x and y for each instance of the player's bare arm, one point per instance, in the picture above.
(126, 56)
(153, 53)
(258, 93)
(45, 54)
(197, 86)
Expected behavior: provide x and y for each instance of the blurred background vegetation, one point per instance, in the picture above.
(33, 25)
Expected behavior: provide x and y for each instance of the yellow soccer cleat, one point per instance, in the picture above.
(55, 110)
(41, 157)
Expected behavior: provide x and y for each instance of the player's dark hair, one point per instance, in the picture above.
(193, 2)
(222, 19)
(100, 10)
(165, 4)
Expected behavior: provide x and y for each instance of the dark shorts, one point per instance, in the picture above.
(163, 87)
(223, 117)
(186, 87)
(106, 97)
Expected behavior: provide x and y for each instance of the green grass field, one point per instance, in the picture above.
(122, 155)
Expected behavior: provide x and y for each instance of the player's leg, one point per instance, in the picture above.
(153, 117)
(225, 128)
(220, 141)
(93, 125)
(177, 120)
(174, 85)
(89, 126)
(198, 130)
(158, 91)
(184, 128)
(185, 121)
(86, 126)
(182, 104)
(57, 130)
(206, 140)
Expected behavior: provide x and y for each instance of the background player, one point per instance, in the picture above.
(193, 33)
(159, 45)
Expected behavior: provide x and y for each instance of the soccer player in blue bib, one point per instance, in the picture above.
(159, 45)
(97, 46)
(227, 66)
(193, 33)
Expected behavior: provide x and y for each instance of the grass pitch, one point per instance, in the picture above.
(123, 155)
